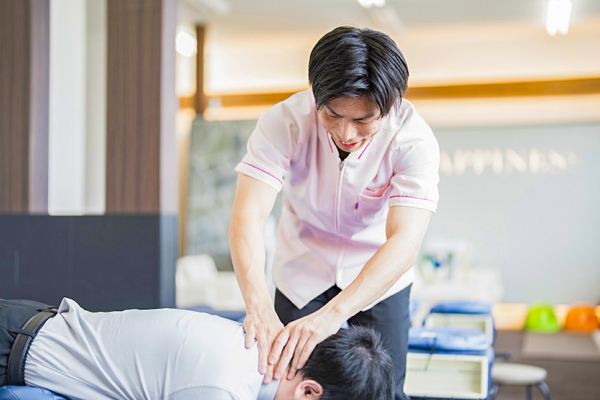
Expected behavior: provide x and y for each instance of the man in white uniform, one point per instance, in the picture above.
(358, 169)
(173, 354)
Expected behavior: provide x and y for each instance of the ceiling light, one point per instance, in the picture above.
(559, 14)
(215, 7)
(369, 3)
(185, 44)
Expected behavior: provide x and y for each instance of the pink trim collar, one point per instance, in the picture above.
(365, 149)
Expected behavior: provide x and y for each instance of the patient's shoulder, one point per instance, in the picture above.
(216, 346)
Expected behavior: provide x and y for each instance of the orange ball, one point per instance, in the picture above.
(581, 318)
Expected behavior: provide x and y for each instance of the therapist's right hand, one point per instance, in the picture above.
(264, 326)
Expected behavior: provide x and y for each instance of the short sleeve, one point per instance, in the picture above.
(416, 173)
(274, 141)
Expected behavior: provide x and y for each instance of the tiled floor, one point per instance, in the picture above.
(567, 380)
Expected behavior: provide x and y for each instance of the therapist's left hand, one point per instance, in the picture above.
(297, 341)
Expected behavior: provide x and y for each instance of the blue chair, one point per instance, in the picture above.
(463, 314)
(27, 393)
(462, 307)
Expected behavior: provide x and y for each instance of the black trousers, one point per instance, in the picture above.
(13, 315)
(390, 317)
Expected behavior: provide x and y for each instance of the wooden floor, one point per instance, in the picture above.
(567, 380)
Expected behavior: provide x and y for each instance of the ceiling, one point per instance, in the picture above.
(322, 14)
(257, 46)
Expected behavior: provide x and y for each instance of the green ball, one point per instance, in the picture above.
(541, 319)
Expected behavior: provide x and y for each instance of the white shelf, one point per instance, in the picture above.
(446, 376)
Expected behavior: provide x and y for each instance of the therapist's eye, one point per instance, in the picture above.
(370, 122)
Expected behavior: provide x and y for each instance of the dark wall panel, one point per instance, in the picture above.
(34, 254)
(169, 252)
(105, 263)
(117, 259)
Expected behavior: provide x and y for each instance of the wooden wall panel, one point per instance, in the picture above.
(507, 89)
(14, 104)
(23, 117)
(133, 106)
(199, 98)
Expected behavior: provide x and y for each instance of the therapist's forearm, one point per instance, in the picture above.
(252, 205)
(248, 256)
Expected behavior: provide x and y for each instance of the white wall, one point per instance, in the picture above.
(529, 207)
(240, 61)
(77, 137)
(66, 169)
(242, 58)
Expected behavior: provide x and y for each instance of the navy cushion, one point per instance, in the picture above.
(448, 339)
(27, 393)
(462, 307)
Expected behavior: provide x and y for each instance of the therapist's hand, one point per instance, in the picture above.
(263, 326)
(297, 341)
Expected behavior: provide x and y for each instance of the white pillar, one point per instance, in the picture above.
(66, 169)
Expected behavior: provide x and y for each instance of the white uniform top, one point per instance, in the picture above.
(144, 354)
(334, 214)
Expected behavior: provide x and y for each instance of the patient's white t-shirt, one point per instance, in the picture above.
(144, 354)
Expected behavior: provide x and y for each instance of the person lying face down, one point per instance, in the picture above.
(179, 354)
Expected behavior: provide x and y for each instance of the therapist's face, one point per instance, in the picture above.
(351, 121)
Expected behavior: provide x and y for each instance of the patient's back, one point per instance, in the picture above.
(142, 354)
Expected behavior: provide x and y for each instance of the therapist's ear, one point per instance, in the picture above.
(308, 390)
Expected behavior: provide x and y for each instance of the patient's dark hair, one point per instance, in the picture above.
(352, 364)
(351, 62)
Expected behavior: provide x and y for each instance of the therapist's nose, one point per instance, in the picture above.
(347, 131)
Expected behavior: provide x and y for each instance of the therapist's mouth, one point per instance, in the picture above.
(344, 145)
(349, 145)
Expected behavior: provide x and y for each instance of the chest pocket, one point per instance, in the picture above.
(372, 205)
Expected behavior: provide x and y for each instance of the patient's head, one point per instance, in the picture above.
(352, 364)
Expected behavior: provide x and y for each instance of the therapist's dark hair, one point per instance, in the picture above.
(352, 364)
(351, 62)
